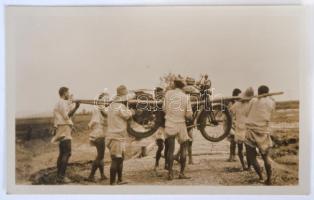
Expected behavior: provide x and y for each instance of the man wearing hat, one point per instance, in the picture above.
(177, 107)
(191, 90)
(118, 114)
(239, 110)
(259, 130)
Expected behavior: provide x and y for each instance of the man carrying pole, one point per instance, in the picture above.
(258, 131)
(118, 114)
(177, 107)
(97, 125)
(63, 124)
(159, 95)
(193, 93)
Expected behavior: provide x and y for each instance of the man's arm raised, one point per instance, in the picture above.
(71, 113)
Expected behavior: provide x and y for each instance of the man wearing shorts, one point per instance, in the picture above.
(177, 108)
(63, 112)
(191, 90)
(258, 131)
(97, 125)
(118, 114)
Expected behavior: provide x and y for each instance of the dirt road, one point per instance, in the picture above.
(210, 168)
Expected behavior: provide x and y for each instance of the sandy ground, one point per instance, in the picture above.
(36, 160)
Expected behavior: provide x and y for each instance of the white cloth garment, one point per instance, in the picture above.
(177, 108)
(117, 116)
(160, 134)
(61, 111)
(239, 112)
(260, 111)
(97, 125)
(258, 128)
(62, 122)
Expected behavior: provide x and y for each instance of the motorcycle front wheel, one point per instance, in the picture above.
(215, 124)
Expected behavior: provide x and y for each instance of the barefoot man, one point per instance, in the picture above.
(192, 91)
(239, 110)
(97, 139)
(258, 131)
(159, 95)
(235, 92)
(63, 112)
(177, 108)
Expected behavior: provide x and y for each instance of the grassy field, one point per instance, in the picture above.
(34, 128)
(34, 151)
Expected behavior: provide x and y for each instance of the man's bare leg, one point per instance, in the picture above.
(232, 149)
(170, 151)
(113, 170)
(160, 145)
(268, 168)
(166, 154)
(247, 158)
(65, 153)
(251, 151)
(183, 149)
(240, 154)
(190, 152)
(176, 156)
(119, 172)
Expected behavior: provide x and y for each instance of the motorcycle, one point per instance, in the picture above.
(210, 115)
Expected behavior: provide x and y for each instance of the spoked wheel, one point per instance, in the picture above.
(143, 124)
(215, 125)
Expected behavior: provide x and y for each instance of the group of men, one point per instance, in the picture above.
(113, 135)
(251, 127)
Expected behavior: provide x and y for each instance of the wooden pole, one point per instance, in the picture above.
(158, 102)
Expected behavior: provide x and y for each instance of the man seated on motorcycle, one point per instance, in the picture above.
(204, 81)
(204, 84)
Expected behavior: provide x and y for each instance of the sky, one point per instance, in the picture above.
(89, 49)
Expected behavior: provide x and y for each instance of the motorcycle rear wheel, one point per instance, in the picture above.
(143, 129)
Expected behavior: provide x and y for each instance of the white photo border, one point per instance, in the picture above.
(7, 84)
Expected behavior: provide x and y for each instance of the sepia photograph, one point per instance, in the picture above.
(155, 95)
